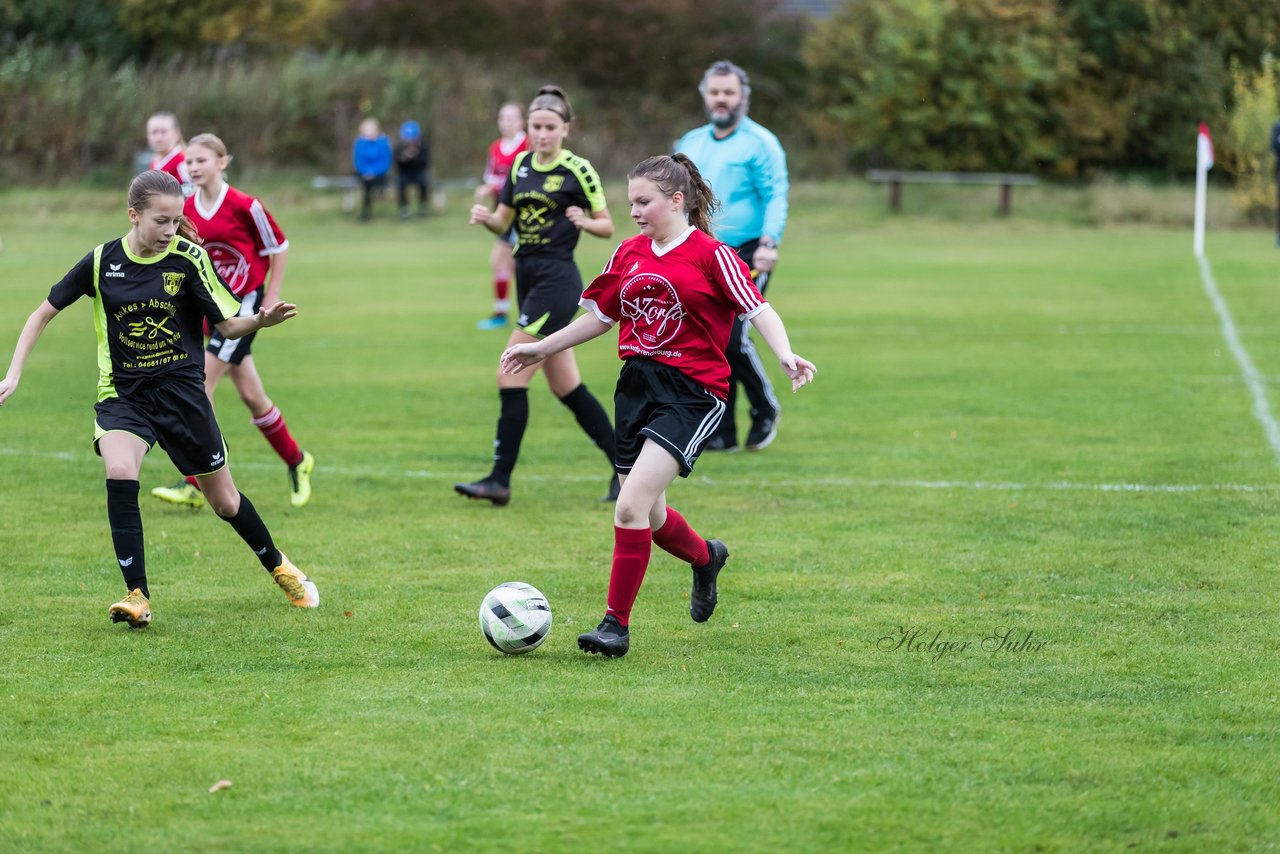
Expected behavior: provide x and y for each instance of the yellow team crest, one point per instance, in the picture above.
(553, 183)
(172, 281)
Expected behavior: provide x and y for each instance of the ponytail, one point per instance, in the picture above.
(678, 174)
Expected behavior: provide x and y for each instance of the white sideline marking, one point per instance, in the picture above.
(1253, 379)
(746, 482)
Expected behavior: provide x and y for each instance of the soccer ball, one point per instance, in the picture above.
(515, 617)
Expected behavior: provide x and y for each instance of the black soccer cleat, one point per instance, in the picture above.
(610, 639)
(487, 490)
(702, 596)
(721, 443)
(615, 487)
(763, 431)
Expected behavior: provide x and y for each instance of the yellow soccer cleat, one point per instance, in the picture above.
(300, 480)
(133, 609)
(301, 590)
(180, 493)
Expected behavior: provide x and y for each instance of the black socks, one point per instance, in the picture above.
(512, 422)
(592, 419)
(253, 531)
(126, 533)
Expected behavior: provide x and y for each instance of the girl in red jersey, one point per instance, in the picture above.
(502, 153)
(164, 136)
(249, 251)
(675, 291)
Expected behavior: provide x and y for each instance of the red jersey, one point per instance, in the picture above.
(240, 237)
(502, 154)
(175, 163)
(676, 305)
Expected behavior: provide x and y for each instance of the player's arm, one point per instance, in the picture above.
(599, 223)
(769, 325)
(238, 327)
(275, 277)
(31, 332)
(517, 357)
(498, 220)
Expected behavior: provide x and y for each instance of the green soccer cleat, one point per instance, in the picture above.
(133, 609)
(301, 590)
(181, 493)
(300, 480)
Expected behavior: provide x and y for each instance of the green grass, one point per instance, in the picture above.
(982, 386)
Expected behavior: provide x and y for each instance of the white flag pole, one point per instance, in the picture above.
(1202, 173)
(1204, 162)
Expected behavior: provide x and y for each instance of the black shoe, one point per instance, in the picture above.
(487, 489)
(610, 639)
(721, 443)
(702, 596)
(615, 486)
(762, 432)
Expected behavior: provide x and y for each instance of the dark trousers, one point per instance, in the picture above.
(372, 187)
(745, 367)
(413, 178)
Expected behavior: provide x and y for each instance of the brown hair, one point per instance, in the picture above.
(153, 182)
(677, 174)
(554, 99)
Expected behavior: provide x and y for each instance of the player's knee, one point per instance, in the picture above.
(627, 512)
(122, 470)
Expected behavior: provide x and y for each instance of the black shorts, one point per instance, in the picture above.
(658, 402)
(233, 350)
(177, 414)
(548, 290)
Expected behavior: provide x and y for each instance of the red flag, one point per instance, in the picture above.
(1204, 148)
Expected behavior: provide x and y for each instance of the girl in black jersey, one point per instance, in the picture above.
(151, 290)
(551, 195)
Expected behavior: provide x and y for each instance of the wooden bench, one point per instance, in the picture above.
(896, 178)
(349, 186)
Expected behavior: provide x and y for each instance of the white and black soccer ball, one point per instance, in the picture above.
(515, 617)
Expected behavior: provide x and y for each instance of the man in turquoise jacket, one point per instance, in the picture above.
(747, 169)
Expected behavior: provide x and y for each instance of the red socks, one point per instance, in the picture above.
(501, 288)
(631, 549)
(676, 538)
(277, 433)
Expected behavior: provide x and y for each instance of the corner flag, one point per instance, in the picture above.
(1204, 148)
(1204, 162)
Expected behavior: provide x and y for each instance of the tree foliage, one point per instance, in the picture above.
(957, 84)
(1062, 86)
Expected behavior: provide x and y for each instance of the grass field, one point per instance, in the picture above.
(1020, 427)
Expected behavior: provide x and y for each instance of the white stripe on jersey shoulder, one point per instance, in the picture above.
(739, 286)
(207, 214)
(663, 250)
(591, 306)
(270, 246)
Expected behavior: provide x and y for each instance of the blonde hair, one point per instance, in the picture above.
(211, 142)
(673, 174)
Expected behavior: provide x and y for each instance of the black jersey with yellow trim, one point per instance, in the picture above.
(148, 312)
(540, 192)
